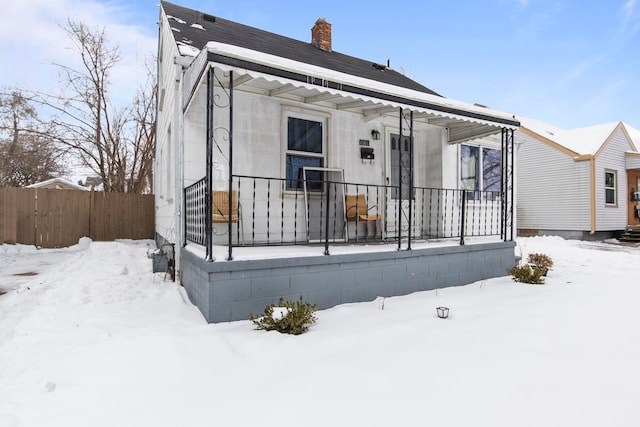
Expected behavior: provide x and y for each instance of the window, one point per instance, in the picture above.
(610, 184)
(480, 170)
(305, 148)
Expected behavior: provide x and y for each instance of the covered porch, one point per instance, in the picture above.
(339, 230)
(317, 203)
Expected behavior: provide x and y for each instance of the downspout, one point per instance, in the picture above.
(178, 146)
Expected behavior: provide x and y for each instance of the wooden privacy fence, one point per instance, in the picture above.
(57, 218)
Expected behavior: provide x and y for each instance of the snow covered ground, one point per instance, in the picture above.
(90, 337)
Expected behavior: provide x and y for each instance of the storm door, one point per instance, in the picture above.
(399, 150)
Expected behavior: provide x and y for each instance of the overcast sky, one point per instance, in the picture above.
(568, 63)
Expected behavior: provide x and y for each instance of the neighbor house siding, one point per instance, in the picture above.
(611, 158)
(553, 189)
(632, 161)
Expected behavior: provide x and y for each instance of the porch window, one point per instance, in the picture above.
(305, 148)
(610, 184)
(480, 170)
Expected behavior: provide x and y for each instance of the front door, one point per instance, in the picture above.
(633, 197)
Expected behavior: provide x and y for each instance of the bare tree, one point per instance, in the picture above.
(27, 153)
(115, 142)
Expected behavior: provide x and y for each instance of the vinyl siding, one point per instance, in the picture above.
(552, 189)
(612, 158)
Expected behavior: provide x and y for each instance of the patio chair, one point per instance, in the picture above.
(357, 210)
(221, 211)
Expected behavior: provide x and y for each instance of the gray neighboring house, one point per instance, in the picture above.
(286, 168)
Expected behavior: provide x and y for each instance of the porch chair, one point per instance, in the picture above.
(357, 210)
(220, 210)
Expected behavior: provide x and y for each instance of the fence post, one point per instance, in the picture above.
(463, 216)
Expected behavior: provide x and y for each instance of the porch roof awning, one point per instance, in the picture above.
(281, 77)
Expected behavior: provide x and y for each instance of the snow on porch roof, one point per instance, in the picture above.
(301, 74)
(272, 74)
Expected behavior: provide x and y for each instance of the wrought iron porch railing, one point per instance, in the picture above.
(269, 212)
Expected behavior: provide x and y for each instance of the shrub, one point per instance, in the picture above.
(526, 274)
(287, 317)
(540, 261)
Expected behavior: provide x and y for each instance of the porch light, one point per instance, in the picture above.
(375, 135)
(443, 312)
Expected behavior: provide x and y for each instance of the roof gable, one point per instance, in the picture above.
(634, 136)
(586, 141)
(194, 29)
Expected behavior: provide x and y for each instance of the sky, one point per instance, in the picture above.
(91, 337)
(568, 63)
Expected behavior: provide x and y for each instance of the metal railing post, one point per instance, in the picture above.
(326, 220)
(463, 216)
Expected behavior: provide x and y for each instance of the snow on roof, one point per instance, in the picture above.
(57, 183)
(586, 140)
(634, 134)
(331, 74)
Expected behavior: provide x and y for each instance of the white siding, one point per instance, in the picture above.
(553, 190)
(632, 162)
(166, 162)
(260, 138)
(612, 158)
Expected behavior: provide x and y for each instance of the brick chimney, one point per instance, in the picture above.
(321, 35)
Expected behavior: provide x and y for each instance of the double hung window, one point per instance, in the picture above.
(610, 184)
(306, 147)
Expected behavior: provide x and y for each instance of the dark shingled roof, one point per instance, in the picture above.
(229, 32)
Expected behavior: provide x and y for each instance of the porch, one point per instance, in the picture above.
(334, 225)
(328, 213)
(276, 243)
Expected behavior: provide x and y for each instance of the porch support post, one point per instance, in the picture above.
(230, 213)
(399, 207)
(512, 178)
(410, 195)
(507, 184)
(208, 226)
(463, 215)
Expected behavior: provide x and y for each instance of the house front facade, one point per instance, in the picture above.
(579, 183)
(285, 168)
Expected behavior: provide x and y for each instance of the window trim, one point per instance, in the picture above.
(614, 188)
(479, 176)
(310, 115)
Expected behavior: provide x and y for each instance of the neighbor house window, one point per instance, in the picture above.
(610, 184)
(305, 148)
(480, 170)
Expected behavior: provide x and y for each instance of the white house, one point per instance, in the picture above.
(578, 183)
(378, 183)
